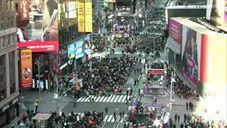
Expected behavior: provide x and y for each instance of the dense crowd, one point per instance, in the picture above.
(87, 120)
(181, 89)
(99, 42)
(106, 74)
(148, 44)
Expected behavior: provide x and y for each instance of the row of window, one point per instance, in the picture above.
(7, 20)
(12, 75)
(8, 40)
(3, 77)
(6, 5)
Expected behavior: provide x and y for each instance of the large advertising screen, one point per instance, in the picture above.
(81, 17)
(175, 31)
(43, 22)
(88, 15)
(26, 68)
(214, 60)
(191, 43)
(212, 106)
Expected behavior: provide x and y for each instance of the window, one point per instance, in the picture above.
(12, 72)
(2, 42)
(7, 40)
(1, 6)
(3, 77)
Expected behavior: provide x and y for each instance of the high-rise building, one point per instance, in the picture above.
(8, 63)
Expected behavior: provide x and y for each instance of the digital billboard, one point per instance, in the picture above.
(26, 68)
(214, 60)
(43, 21)
(71, 51)
(191, 43)
(212, 106)
(88, 15)
(77, 49)
(175, 31)
(37, 46)
(81, 17)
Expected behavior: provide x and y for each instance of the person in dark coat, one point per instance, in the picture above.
(175, 117)
(187, 106)
(185, 118)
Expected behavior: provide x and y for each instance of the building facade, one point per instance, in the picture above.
(8, 63)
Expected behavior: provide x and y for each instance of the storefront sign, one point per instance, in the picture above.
(24, 9)
(81, 18)
(26, 68)
(40, 46)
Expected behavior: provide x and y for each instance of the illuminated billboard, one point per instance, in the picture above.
(26, 68)
(43, 22)
(88, 15)
(81, 17)
(191, 43)
(213, 105)
(37, 46)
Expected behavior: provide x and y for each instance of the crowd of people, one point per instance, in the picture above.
(106, 74)
(181, 89)
(99, 42)
(87, 120)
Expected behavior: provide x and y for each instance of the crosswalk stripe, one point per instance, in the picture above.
(110, 118)
(79, 99)
(108, 100)
(124, 99)
(86, 100)
(97, 98)
(116, 98)
(104, 100)
(101, 99)
(105, 118)
(112, 98)
(120, 98)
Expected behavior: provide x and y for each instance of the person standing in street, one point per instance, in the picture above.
(115, 116)
(185, 118)
(175, 117)
(178, 118)
(36, 105)
(106, 110)
(186, 105)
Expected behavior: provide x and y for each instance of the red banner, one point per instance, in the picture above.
(26, 68)
(40, 46)
(24, 9)
(157, 72)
